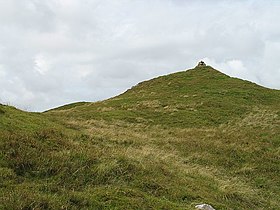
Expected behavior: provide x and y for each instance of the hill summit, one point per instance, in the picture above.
(197, 97)
(201, 64)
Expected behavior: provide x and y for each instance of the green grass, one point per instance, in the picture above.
(191, 137)
(195, 98)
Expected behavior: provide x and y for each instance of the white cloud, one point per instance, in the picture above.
(41, 65)
(56, 52)
(233, 68)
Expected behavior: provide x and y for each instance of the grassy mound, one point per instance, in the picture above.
(195, 98)
(191, 137)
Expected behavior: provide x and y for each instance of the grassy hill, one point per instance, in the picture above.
(195, 98)
(172, 142)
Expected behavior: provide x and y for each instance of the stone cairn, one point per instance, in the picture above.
(201, 64)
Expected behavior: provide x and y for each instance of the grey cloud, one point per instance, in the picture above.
(60, 51)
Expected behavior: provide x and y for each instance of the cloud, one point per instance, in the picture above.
(60, 51)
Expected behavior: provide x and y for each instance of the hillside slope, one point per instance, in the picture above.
(172, 142)
(198, 97)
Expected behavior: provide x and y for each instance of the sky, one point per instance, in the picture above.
(54, 52)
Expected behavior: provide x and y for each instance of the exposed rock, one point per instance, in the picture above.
(204, 207)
